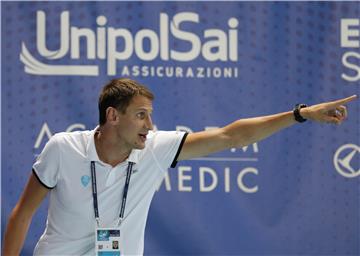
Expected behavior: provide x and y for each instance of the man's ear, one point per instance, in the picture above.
(111, 115)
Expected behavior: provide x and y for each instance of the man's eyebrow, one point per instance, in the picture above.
(150, 110)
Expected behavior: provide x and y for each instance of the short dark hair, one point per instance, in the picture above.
(118, 94)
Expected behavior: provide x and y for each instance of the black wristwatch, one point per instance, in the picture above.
(296, 112)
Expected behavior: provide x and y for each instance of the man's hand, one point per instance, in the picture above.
(329, 112)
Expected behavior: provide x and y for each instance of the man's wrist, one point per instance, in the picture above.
(305, 112)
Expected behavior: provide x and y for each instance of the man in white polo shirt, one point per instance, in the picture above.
(101, 182)
(64, 165)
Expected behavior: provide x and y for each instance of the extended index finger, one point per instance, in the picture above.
(343, 101)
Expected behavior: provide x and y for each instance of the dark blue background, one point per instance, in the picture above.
(287, 53)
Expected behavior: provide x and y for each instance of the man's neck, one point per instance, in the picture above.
(109, 152)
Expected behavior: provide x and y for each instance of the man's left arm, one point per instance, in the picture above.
(244, 132)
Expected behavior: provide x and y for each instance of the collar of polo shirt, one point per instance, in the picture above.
(91, 154)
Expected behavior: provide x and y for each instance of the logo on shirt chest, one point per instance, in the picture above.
(85, 179)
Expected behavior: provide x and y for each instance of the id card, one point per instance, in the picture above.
(107, 242)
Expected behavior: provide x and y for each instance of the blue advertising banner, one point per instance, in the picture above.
(208, 64)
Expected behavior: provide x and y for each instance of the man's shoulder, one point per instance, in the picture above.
(73, 135)
(74, 139)
(163, 134)
(163, 138)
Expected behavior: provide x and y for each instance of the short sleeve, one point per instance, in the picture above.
(167, 146)
(46, 167)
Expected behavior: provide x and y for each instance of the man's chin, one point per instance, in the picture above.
(139, 146)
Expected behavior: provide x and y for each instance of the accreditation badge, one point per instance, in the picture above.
(107, 241)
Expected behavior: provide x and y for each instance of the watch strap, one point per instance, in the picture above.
(296, 113)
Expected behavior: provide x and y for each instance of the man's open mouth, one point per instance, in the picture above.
(143, 136)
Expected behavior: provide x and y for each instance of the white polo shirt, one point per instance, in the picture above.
(64, 166)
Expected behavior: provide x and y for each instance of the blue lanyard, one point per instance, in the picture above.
(124, 197)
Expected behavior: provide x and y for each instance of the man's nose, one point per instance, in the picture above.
(149, 123)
